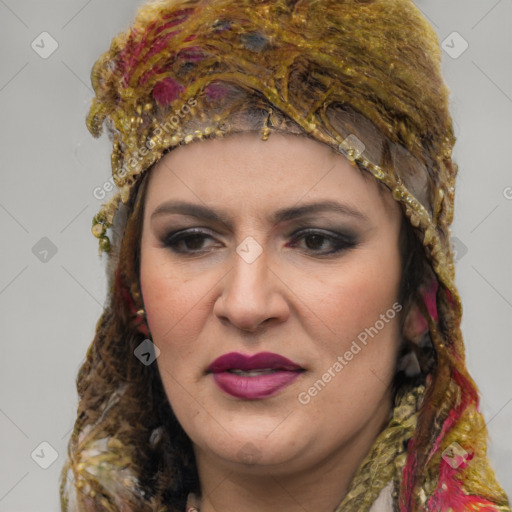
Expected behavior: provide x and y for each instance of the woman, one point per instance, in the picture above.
(283, 328)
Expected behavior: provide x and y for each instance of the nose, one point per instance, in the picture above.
(252, 295)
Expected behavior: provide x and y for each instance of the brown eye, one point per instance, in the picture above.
(184, 242)
(190, 242)
(314, 240)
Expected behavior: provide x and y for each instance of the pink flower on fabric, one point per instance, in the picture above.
(166, 91)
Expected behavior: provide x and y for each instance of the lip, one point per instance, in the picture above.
(257, 387)
(260, 361)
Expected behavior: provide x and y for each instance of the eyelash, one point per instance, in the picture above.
(340, 242)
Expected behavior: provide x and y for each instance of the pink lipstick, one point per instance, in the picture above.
(253, 377)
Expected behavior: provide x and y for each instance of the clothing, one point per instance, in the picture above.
(364, 78)
(384, 503)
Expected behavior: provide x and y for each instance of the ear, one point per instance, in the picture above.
(415, 325)
(414, 329)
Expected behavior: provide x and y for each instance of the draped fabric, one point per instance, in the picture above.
(362, 76)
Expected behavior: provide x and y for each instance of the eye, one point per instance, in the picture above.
(192, 241)
(315, 240)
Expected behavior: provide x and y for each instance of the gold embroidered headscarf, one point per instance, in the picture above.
(362, 76)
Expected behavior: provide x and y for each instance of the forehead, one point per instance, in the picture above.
(242, 170)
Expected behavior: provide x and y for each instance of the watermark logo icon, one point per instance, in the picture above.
(249, 454)
(352, 147)
(44, 45)
(455, 455)
(44, 455)
(147, 352)
(455, 45)
(44, 250)
(249, 250)
(459, 249)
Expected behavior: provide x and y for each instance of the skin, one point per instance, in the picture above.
(291, 300)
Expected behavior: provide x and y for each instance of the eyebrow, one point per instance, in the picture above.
(282, 215)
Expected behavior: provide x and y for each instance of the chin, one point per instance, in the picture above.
(257, 455)
(251, 441)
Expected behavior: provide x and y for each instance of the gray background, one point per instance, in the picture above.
(50, 164)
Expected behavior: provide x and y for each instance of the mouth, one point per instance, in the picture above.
(253, 373)
(261, 362)
(253, 377)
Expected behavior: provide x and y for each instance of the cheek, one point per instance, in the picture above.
(359, 305)
(160, 296)
(174, 301)
(359, 293)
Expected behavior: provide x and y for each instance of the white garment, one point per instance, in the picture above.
(384, 501)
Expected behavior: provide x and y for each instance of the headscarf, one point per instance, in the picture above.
(363, 77)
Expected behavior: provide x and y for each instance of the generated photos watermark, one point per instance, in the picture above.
(355, 348)
(168, 127)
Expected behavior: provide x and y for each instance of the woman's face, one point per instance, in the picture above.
(285, 250)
